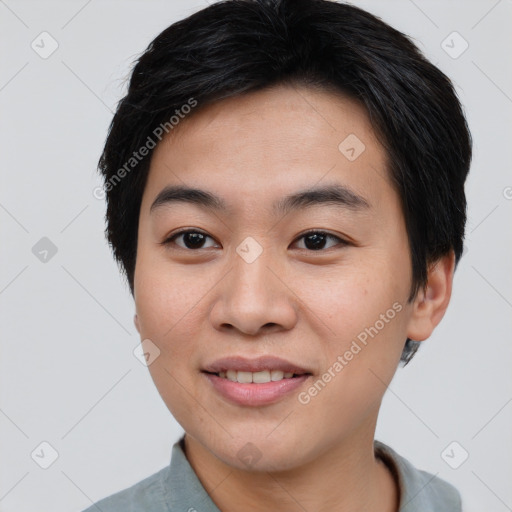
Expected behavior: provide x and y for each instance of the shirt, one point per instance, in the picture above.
(176, 488)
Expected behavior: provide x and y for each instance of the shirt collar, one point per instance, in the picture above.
(184, 491)
(418, 490)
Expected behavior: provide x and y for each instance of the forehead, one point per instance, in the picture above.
(260, 146)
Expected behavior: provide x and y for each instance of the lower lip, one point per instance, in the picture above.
(255, 394)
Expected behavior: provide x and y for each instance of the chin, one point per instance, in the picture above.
(258, 451)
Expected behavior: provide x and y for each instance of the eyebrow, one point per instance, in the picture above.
(327, 195)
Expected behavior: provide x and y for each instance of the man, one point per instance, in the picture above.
(285, 194)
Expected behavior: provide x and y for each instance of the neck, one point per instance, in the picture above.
(347, 477)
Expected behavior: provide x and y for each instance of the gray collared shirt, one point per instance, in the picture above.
(176, 488)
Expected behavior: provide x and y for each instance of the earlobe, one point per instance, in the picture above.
(431, 303)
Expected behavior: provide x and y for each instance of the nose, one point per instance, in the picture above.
(254, 298)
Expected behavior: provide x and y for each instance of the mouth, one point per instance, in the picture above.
(260, 377)
(255, 382)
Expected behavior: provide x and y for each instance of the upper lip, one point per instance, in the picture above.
(258, 364)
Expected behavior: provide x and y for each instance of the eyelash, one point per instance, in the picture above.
(170, 240)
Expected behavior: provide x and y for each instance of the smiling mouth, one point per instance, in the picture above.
(261, 377)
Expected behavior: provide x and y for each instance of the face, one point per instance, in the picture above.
(319, 283)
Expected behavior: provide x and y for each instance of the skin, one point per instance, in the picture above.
(307, 306)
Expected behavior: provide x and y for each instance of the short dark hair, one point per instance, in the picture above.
(237, 46)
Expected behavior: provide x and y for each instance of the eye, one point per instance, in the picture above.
(316, 240)
(192, 239)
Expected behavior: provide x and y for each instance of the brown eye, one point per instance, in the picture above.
(190, 239)
(317, 240)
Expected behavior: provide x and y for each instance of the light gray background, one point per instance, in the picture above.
(68, 373)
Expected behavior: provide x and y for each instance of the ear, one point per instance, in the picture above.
(136, 322)
(430, 304)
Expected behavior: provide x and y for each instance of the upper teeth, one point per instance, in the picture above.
(257, 377)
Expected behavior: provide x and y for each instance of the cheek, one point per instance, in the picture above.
(167, 302)
(167, 305)
(365, 313)
(366, 322)
(165, 292)
(349, 299)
